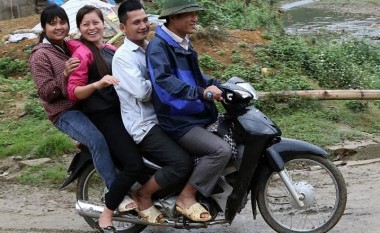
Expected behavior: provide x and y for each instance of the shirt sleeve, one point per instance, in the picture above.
(50, 86)
(132, 81)
(80, 76)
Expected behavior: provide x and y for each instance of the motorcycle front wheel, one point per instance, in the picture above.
(321, 184)
(91, 188)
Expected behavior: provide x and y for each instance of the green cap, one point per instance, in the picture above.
(175, 7)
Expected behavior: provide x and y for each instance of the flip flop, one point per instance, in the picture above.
(127, 204)
(151, 215)
(108, 229)
(194, 212)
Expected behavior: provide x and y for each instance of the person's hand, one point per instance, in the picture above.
(216, 93)
(70, 66)
(106, 81)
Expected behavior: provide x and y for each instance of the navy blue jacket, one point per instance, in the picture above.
(178, 86)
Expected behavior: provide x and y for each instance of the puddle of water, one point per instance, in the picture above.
(301, 21)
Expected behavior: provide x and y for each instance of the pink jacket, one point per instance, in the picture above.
(80, 76)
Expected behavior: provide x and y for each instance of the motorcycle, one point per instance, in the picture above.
(292, 182)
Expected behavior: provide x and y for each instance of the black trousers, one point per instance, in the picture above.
(124, 153)
(176, 163)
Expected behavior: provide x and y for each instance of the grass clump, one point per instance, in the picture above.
(331, 64)
(9, 67)
(209, 63)
(50, 174)
(33, 138)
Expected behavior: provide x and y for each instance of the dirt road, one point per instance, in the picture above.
(34, 210)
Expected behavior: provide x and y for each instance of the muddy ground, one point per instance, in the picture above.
(36, 209)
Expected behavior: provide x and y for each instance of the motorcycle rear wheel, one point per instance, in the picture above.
(91, 188)
(325, 196)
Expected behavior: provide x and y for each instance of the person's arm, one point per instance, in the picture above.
(160, 71)
(50, 87)
(78, 87)
(132, 80)
(79, 78)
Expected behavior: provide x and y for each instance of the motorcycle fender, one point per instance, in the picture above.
(79, 161)
(277, 153)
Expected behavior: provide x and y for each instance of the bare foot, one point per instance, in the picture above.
(185, 202)
(144, 202)
(105, 218)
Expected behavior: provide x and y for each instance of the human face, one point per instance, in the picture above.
(183, 24)
(57, 30)
(136, 27)
(92, 28)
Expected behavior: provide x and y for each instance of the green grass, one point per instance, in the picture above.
(51, 174)
(331, 123)
(32, 138)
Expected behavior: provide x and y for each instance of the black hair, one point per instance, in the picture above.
(98, 57)
(128, 6)
(49, 14)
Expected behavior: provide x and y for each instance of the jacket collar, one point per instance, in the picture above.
(171, 42)
(161, 33)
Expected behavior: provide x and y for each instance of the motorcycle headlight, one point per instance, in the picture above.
(249, 89)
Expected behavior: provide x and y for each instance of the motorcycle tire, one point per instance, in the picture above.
(91, 188)
(323, 187)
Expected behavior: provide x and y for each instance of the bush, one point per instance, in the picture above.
(333, 66)
(248, 73)
(55, 145)
(357, 106)
(232, 14)
(9, 67)
(33, 107)
(339, 65)
(209, 63)
(285, 79)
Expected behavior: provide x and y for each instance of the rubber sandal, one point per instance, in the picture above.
(108, 229)
(127, 204)
(194, 212)
(151, 215)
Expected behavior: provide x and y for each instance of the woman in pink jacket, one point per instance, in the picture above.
(92, 85)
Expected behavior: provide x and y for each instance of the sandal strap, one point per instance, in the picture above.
(150, 215)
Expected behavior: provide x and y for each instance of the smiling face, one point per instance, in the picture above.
(56, 30)
(92, 28)
(183, 24)
(136, 27)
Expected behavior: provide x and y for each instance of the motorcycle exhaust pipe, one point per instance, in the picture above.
(92, 210)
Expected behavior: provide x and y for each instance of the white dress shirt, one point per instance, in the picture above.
(134, 90)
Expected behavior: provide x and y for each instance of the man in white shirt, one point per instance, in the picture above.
(139, 118)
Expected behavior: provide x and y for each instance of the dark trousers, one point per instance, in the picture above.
(216, 154)
(124, 152)
(176, 163)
